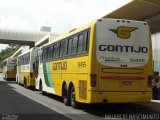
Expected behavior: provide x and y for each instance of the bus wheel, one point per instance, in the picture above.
(74, 104)
(65, 95)
(40, 85)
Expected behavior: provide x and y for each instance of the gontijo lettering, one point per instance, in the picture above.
(60, 66)
(124, 48)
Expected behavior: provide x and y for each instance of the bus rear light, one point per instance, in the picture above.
(93, 80)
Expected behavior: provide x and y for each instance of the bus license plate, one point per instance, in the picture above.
(126, 83)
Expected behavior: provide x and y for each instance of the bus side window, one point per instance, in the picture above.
(80, 43)
(65, 48)
(28, 57)
(20, 60)
(74, 44)
(47, 53)
(42, 55)
(23, 60)
(53, 51)
(57, 46)
(62, 47)
(86, 42)
(69, 46)
(50, 52)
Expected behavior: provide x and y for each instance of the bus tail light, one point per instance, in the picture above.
(150, 81)
(93, 80)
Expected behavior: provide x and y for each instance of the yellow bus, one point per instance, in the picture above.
(106, 61)
(25, 72)
(9, 68)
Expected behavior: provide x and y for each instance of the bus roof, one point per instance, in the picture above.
(70, 32)
(29, 50)
(9, 58)
(74, 31)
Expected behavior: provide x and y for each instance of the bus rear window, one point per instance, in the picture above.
(86, 42)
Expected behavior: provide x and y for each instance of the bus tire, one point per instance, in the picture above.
(40, 85)
(74, 104)
(65, 95)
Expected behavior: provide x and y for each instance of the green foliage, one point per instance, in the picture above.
(9, 51)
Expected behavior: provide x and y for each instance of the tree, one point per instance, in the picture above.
(7, 52)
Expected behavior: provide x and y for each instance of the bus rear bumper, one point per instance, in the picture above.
(120, 97)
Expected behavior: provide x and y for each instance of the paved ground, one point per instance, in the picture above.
(27, 104)
(14, 104)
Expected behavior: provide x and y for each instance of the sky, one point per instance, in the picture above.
(60, 15)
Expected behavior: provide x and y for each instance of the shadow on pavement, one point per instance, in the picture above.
(128, 108)
(13, 103)
(100, 110)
